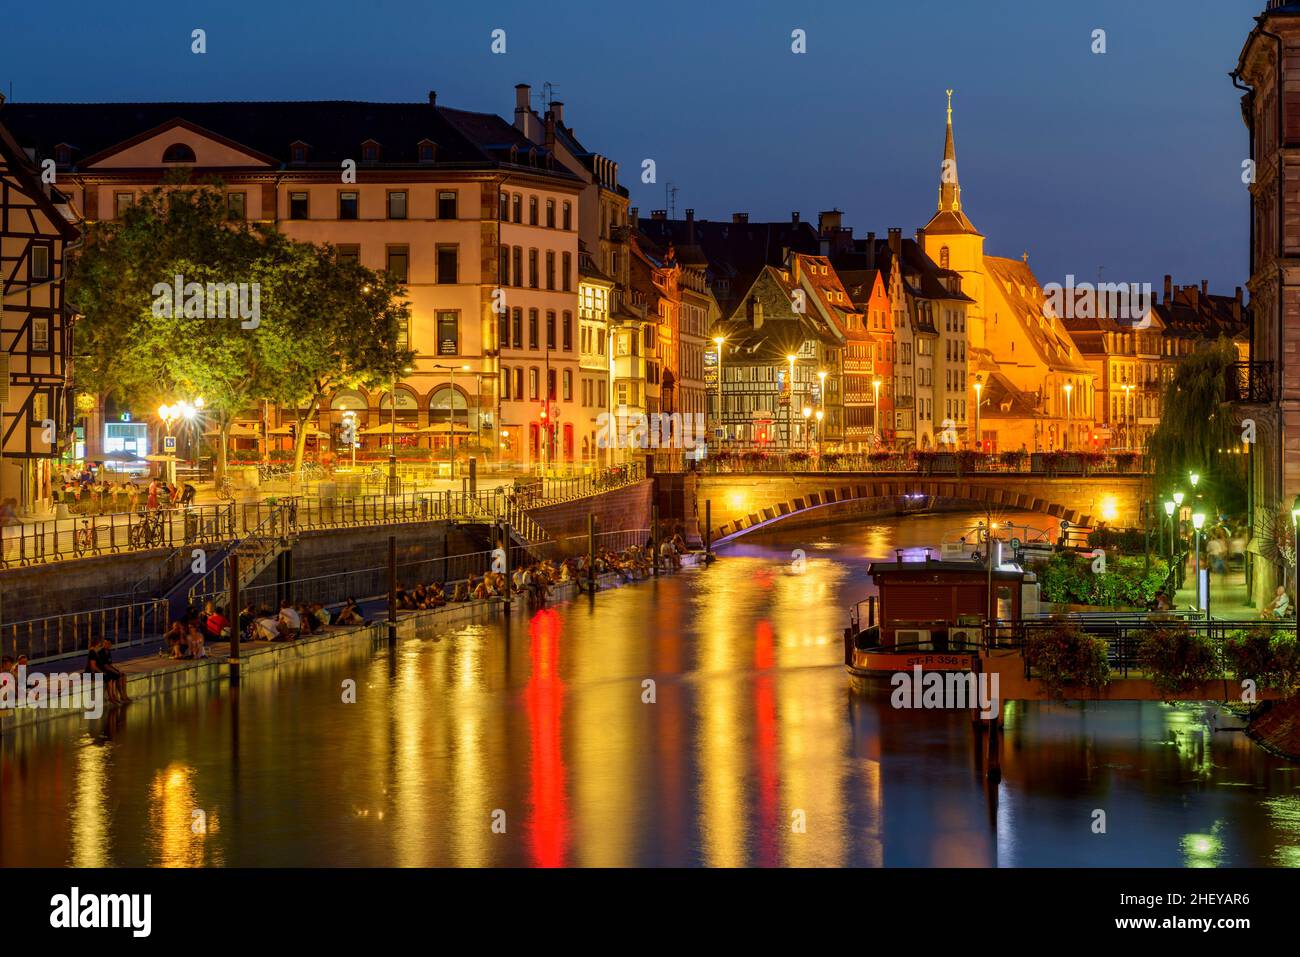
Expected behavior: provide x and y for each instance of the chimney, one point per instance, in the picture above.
(794, 218)
(871, 250)
(1236, 306)
(920, 238)
(1169, 288)
(793, 261)
(690, 227)
(896, 243)
(828, 221)
(824, 246)
(558, 109)
(2, 99)
(739, 219)
(433, 97)
(633, 215)
(522, 91)
(1205, 287)
(659, 214)
(550, 131)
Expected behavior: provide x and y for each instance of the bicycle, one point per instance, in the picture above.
(86, 536)
(148, 532)
(226, 490)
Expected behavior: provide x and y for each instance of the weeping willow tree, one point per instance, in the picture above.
(1199, 433)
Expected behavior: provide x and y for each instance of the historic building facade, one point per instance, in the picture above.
(35, 328)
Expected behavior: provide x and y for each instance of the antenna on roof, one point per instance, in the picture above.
(670, 194)
(548, 94)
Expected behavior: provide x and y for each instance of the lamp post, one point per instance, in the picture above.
(979, 389)
(807, 414)
(875, 418)
(1128, 421)
(451, 416)
(722, 428)
(820, 414)
(1198, 520)
(1069, 388)
(392, 436)
(1169, 511)
(821, 401)
(789, 438)
(1295, 544)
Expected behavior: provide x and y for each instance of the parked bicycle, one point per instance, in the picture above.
(149, 531)
(87, 536)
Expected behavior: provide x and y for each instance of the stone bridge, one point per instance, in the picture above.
(742, 502)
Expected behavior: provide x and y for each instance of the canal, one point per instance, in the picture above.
(701, 719)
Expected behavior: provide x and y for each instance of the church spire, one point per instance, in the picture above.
(949, 187)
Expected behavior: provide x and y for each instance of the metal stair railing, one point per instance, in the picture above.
(272, 535)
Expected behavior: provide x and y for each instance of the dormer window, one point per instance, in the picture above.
(428, 151)
(178, 153)
(514, 155)
(370, 152)
(298, 152)
(63, 155)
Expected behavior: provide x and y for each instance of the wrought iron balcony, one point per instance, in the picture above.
(1250, 383)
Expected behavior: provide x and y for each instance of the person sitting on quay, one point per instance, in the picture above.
(322, 614)
(350, 614)
(194, 642)
(114, 678)
(215, 624)
(174, 641)
(1280, 607)
(290, 620)
(266, 627)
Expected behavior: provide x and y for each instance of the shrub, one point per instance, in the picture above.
(1247, 652)
(1012, 460)
(1177, 659)
(1067, 578)
(1130, 541)
(799, 456)
(1064, 656)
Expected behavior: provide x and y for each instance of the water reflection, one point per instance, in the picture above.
(703, 718)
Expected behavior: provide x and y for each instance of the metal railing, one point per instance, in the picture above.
(1251, 383)
(265, 540)
(63, 636)
(927, 463)
(83, 536)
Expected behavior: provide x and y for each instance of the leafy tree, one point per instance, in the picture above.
(1197, 429)
(315, 327)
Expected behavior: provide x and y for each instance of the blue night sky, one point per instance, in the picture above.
(1129, 160)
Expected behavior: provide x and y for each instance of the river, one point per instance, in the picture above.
(701, 719)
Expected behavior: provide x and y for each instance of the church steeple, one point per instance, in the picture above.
(949, 187)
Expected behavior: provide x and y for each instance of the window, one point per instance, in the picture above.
(447, 260)
(567, 332)
(397, 204)
(505, 383)
(351, 254)
(448, 333)
(403, 339)
(550, 214)
(550, 329)
(120, 203)
(348, 203)
(532, 328)
(550, 384)
(297, 205)
(532, 210)
(519, 265)
(568, 215)
(532, 269)
(503, 329)
(517, 204)
(504, 212)
(568, 385)
(370, 152)
(517, 327)
(447, 204)
(532, 382)
(299, 152)
(236, 205)
(504, 277)
(550, 269)
(519, 383)
(178, 153)
(428, 151)
(566, 268)
(40, 406)
(398, 266)
(39, 267)
(40, 334)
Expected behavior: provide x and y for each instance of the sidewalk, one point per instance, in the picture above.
(1227, 595)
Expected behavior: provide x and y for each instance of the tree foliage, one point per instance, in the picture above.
(1197, 429)
(321, 323)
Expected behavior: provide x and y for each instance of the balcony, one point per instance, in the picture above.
(1250, 383)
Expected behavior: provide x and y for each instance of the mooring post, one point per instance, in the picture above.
(708, 529)
(232, 571)
(392, 588)
(505, 548)
(995, 746)
(654, 537)
(591, 552)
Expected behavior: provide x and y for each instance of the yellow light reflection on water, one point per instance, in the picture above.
(1203, 850)
(90, 817)
(179, 822)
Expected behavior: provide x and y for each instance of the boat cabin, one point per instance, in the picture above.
(941, 605)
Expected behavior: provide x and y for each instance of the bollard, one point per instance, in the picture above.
(232, 570)
(591, 552)
(708, 529)
(654, 537)
(473, 476)
(392, 588)
(505, 548)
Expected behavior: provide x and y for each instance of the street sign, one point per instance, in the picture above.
(169, 443)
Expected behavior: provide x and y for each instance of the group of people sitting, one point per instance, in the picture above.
(293, 620)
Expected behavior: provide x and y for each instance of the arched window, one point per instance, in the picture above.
(408, 409)
(178, 153)
(943, 258)
(448, 404)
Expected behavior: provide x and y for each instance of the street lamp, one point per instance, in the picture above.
(1069, 388)
(1198, 520)
(1169, 511)
(807, 414)
(979, 388)
(722, 428)
(789, 439)
(875, 386)
(820, 413)
(1295, 544)
(392, 438)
